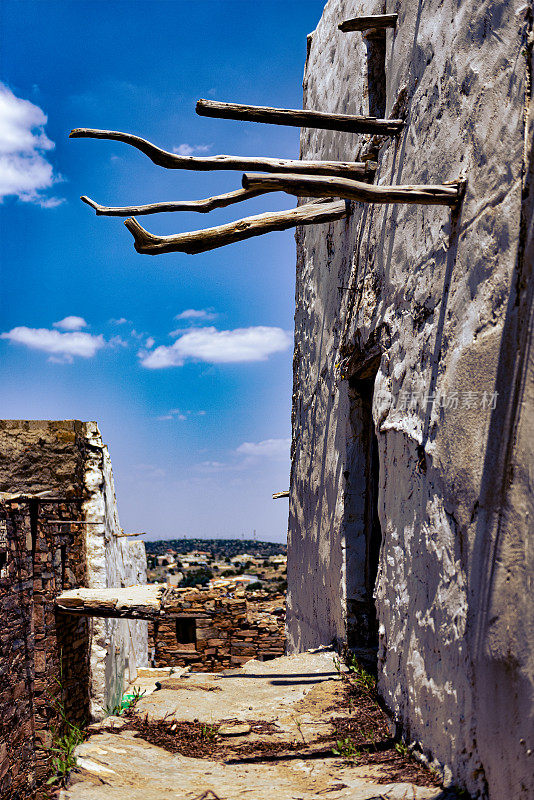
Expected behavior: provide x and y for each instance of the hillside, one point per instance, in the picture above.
(219, 548)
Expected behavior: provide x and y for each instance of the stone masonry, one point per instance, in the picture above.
(212, 631)
(46, 544)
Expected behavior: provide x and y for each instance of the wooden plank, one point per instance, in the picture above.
(369, 22)
(221, 162)
(304, 186)
(299, 118)
(211, 238)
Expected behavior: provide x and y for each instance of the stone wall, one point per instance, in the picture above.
(17, 753)
(212, 631)
(45, 657)
(50, 545)
(411, 465)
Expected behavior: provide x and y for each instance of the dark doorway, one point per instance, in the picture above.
(363, 532)
(186, 633)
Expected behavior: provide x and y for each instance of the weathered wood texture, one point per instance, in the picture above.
(203, 206)
(300, 118)
(278, 495)
(211, 238)
(304, 186)
(221, 162)
(367, 23)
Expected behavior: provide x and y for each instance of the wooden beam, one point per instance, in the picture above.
(211, 238)
(278, 495)
(304, 186)
(300, 119)
(366, 23)
(220, 162)
(204, 206)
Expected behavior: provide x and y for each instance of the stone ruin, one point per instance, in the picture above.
(411, 493)
(213, 630)
(59, 529)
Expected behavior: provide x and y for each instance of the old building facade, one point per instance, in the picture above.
(411, 498)
(58, 530)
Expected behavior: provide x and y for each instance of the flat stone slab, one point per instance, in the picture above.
(117, 766)
(260, 690)
(134, 602)
(293, 696)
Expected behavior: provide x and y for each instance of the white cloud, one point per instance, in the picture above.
(71, 324)
(219, 347)
(174, 413)
(120, 321)
(190, 149)
(204, 314)
(117, 341)
(62, 346)
(150, 342)
(24, 169)
(269, 448)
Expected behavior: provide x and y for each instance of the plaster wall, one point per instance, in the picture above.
(444, 302)
(118, 646)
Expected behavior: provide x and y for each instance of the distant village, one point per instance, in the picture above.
(219, 564)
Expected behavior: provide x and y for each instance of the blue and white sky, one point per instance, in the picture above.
(184, 361)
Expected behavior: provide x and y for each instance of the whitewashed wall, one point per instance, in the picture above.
(448, 308)
(118, 647)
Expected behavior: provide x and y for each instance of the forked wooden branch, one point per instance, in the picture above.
(304, 186)
(300, 118)
(365, 23)
(173, 161)
(211, 238)
(208, 204)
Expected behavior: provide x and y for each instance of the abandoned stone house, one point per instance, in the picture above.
(59, 529)
(216, 630)
(411, 490)
(411, 499)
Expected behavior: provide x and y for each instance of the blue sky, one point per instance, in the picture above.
(198, 429)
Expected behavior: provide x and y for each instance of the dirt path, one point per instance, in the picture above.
(262, 732)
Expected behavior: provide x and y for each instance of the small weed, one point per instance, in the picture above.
(208, 733)
(299, 728)
(66, 736)
(127, 703)
(346, 749)
(402, 749)
(364, 680)
(63, 747)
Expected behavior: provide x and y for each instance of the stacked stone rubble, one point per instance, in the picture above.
(228, 630)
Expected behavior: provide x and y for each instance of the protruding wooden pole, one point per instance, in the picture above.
(304, 186)
(367, 23)
(278, 495)
(300, 119)
(168, 160)
(208, 204)
(211, 238)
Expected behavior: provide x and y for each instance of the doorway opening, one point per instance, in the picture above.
(186, 633)
(363, 535)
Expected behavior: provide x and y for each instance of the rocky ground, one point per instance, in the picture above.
(264, 731)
